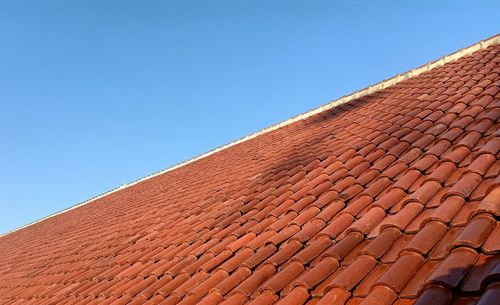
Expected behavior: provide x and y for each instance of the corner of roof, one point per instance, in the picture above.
(483, 44)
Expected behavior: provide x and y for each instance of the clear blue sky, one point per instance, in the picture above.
(95, 94)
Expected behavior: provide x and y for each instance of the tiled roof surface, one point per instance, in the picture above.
(393, 198)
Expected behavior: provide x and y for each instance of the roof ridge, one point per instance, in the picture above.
(346, 98)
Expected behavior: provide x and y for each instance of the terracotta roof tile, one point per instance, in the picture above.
(426, 238)
(390, 198)
(317, 274)
(382, 243)
(340, 250)
(435, 294)
(392, 255)
(355, 272)
(475, 232)
(454, 268)
(401, 271)
(490, 204)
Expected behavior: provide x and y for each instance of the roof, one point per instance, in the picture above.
(391, 196)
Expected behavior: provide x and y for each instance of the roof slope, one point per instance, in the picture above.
(391, 198)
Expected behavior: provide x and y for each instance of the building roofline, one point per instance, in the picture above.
(357, 94)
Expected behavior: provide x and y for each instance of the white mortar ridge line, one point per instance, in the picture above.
(346, 98)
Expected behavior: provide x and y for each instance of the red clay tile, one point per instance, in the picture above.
(140, 286)
(378, 186)
(462, 218)
(466, 185)
(259, 241)
(355, 272)
(416, 283)
(492, 146)
(492, 244)
(330, 210)
(151, 290)
(364, 288)
(425, 163)
(392, 255)
(454, 177)
(355, 196)
(216, 261)
(380, 295)
(367, 177)
(426, 238)
(382, 243)
(298, 296)
(485, 271)
(493, 171)
(475, 232)
(402, 219)
(195, 280)
(309, 230)
(366, 223)
(358, 205)
(259, 256)
(342, 248)
(343, 184)
(264, 298)
(436, 295)
(235, 261)
(318, 273)
(249, 285)
(211, 299)
(442, 249)
(427, 139)
(401, 271)
(410, 155)
(394, 170)
(416, 224)
(338, 225)
(439, 148)
(189, 300)
(313, 250)
(448, 209)
(454, 268)
(481, 164)
(284, 234)
(417, 184)
(490, 204)
(326, 198)
(174, 284)
(389, 199)
(283, 277)
(359, 169)
(470, 139)
(456, 155)
(324, 286)
(233, 280)
(481, 125)
(305, 215)
(426, 192)
(407, 179)
(235, 299)
(335, 296)
(285, 253)
(354, 253)
(351, 192)
(491, 295)
(215, 278)
(404, 302)
(482, 190)
(384, 162)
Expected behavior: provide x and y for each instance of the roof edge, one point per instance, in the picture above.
(332, 104)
